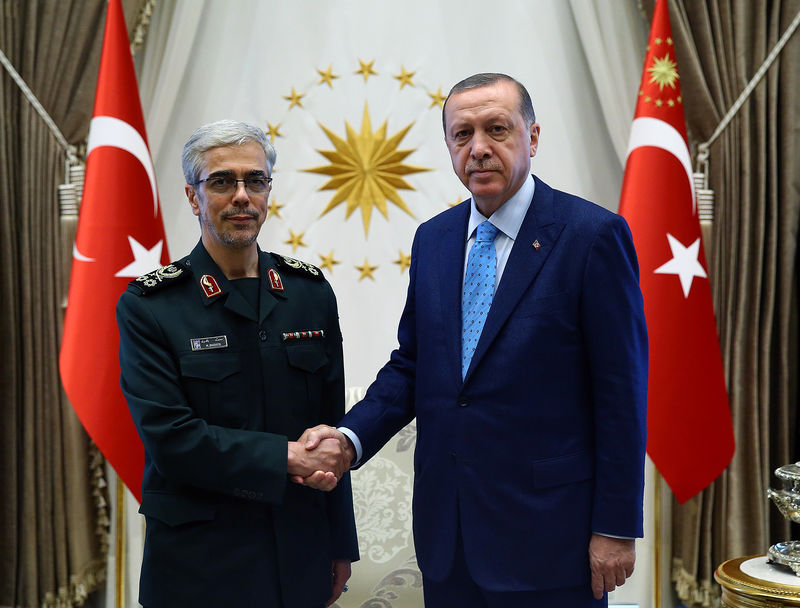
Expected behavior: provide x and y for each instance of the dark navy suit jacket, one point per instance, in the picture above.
(543, 441)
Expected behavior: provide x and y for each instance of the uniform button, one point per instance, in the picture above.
(262, 335)
(463, 404)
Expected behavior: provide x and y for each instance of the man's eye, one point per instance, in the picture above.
(256, 184)
(220, 182)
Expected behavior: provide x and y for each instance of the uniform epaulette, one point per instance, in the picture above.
(158, 279)
(304, 268)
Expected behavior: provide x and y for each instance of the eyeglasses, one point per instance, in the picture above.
(223, 184)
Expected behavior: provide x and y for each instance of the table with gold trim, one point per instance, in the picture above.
(752, 582)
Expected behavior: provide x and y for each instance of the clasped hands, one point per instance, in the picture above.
(320, 457)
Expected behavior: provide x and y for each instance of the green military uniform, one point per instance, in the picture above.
(217, 385)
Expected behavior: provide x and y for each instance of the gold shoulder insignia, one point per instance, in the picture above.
(298, 266)
(164, 276)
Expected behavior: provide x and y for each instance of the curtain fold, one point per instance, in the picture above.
(52, 519)
(753, 268)
(614, 45)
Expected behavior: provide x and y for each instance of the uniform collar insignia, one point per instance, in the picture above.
(210, 286)
(275, 283)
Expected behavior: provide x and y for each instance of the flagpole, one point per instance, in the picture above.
(657, 535)
(119, 544)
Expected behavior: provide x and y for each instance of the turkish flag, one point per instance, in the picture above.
(120, 236)
(689, 430)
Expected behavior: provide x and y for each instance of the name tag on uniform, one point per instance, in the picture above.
(209, 343)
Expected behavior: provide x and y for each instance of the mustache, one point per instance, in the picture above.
(482, 165)
(250, 212)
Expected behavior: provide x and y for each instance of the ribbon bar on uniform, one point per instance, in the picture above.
(302, 335)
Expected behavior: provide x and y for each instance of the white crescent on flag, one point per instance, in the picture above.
(647, 131)
(110, 131)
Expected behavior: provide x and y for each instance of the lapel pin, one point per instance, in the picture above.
(536, 245)
(275, 282)
(210, 286)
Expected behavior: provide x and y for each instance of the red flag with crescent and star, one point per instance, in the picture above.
(689, 431)
(120, 237)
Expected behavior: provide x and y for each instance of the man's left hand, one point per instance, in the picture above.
(340, 572)
(611, 561)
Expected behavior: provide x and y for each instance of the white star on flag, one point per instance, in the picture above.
(145, 260)
(683, 263)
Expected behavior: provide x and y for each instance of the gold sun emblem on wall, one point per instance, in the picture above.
(366, 170)
(663, 72)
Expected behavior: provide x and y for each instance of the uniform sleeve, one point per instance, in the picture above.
(616, 341)
(184, 448)
(340, 500)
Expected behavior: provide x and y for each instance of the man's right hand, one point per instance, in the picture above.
(323, 465)
(315, 439)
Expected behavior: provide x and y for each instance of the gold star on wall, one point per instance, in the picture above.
(328, 261)
(404, 261)
(327, 76)
(404, 77)
(366, 270)
(458, 201)
(295, 240)
(438, 98)
(663, 72)
(274, 209)
(366, 170)
(294, 99)
(366, 70)
(274, 131)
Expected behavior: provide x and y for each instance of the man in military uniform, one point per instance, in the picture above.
(227, 356)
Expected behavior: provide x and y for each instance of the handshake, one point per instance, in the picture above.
(320, 457)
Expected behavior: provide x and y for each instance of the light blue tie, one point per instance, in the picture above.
(476, 298)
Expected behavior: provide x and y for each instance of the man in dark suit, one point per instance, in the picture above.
(226, 356)
(523, 356)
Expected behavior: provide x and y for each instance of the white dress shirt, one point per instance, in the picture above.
(507, 219)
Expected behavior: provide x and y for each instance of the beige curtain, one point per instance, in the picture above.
(752, 253)
(51, 518)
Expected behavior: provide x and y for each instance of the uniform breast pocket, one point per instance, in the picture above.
(214, 387)
(305, 380)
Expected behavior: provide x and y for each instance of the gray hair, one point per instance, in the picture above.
(488, 78)
(219, 134)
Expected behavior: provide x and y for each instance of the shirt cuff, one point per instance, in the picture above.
(612, 535)
(356, 444)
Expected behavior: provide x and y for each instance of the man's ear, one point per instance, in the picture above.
(535, 128)
(191, 194)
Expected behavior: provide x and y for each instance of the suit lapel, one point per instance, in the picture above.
(523, 265)
(450, 264)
